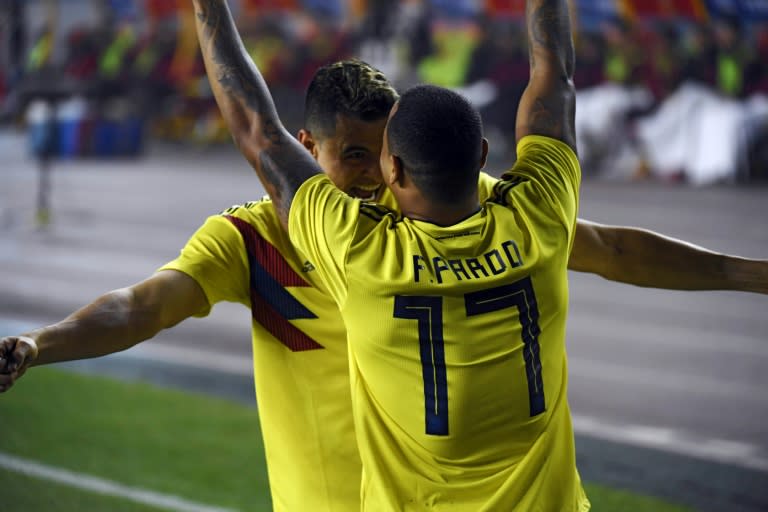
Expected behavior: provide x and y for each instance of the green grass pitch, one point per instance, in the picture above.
(198, 448)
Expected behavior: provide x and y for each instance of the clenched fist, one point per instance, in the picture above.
(16, 354)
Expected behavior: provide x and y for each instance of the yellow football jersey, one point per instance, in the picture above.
(457, 339)
(299, 355)
(299, 352)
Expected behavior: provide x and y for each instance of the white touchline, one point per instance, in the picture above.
(102, 486)
(655, 437)
(188, 356)
(674, 441)
(669, 440)
(677, 441)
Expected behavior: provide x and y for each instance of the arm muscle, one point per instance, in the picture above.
(547, 106)
(645, 258)
(121, 318)
(279, 160)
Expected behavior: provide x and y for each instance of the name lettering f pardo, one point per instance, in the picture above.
(492, 263)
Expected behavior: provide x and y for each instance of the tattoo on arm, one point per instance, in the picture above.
(280, 161)
(545, 117)
(551, 105)
(273, 132)
(274, 164)
(549, 28)
(234, 69)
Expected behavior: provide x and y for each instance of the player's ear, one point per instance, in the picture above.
(308, 141)
(484, 156)
(397, 175)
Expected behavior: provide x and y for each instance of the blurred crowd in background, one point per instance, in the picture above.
(675, 90)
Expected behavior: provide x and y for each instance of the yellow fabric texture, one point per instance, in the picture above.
(303, 397)
(302, 389)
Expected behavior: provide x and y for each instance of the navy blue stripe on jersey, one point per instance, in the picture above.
(272, 305)
(520, 295)
(502, 188)
(275, 294)
(374, 211)
(374, 207)
(371, 215)
(428, 310)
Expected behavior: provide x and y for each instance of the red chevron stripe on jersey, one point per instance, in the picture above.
(271, 304)
(267, 255)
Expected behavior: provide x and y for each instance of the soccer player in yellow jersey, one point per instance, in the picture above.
(299, 342)
(455, 315)
(455, 310)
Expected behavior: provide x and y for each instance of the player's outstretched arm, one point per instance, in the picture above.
(547, 106)
(280, 161)
(115, 321)
(645, 258)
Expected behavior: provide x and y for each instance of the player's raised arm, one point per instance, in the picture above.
(644, 258)
(547, 106)
(280, 161)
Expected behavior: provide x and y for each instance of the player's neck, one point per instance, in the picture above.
(441, 214)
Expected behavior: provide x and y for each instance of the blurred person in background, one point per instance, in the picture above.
(299, 343)
(701, 133)
(698, 53)
(660, 65)
(500, 59)
(447, 65)
(590, 56)
(756, 75)
(12, 35)
(732, 58)
(376, 39)
(622, 56)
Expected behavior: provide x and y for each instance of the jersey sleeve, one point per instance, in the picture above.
(546, 173)
(485, 186)
(322, 224)
(215, 257)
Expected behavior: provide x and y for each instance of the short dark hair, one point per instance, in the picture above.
(438, 135)
(352, 88)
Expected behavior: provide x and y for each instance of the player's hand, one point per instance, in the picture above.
(16, 354)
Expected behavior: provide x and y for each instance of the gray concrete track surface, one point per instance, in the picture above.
(667, 388)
